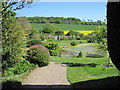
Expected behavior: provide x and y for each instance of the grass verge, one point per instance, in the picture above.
(83, 69)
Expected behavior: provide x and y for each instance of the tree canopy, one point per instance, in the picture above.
(62, 20)
(14, 33)
(73, 33)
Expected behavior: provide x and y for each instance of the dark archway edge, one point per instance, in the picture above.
(113, 32)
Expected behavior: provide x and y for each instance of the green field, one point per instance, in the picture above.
(83, 69)
(68, 27)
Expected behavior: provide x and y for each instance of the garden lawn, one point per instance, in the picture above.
(67, 42)
(91, 48)
(83, 69)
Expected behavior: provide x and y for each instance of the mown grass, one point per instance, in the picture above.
(82, 69)
(67, 42)
(84, 47)
(68, 27)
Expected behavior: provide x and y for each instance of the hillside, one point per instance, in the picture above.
(68, 27)
(66, 24)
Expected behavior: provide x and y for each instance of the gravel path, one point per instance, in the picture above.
(53, 75)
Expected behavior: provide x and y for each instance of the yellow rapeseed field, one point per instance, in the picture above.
(85, 32)
(65, 32)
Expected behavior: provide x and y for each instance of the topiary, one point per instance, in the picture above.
(74, 43)
(38, 54)
(80, 55)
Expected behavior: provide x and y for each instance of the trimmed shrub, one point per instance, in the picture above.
(94, 56)
(80, 55)
(38, 54)
(74, 43)
(83, 41)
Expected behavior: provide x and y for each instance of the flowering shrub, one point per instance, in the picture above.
(38, 54)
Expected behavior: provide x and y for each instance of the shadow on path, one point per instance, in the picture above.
(110, 82)
(13, 85)
(80, 64)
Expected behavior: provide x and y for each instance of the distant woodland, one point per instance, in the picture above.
(62, 20)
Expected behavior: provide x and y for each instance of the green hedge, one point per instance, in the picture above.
(83, 41)
(94, 56)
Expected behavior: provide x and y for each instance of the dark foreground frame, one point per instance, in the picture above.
(113, 35)
(113, 32)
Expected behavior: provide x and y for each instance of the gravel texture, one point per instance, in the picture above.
(53, 75)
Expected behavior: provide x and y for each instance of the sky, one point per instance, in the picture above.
(71, 0)
(82, 10)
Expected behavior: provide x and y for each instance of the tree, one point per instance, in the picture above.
(73, 33)
(59, 33)
(35, 36)
(99, 22)
(70, 33)
(80, 55)
(34, 33)
(13, 34)
(101, 38)
(48, 28)
(14, 45)
(57, 20)
(92, 37)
